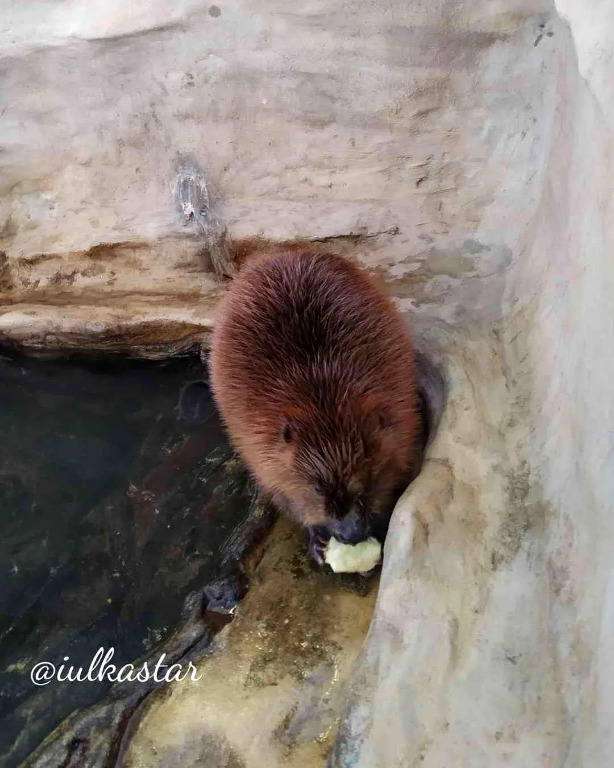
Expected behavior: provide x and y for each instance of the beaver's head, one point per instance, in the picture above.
(340, 462)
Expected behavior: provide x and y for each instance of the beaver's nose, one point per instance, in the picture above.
(353, 528)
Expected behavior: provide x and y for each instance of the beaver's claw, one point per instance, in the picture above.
(318, 541)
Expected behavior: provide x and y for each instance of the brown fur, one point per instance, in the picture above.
(313, 372)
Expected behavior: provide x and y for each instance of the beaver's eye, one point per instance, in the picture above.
(286, 433)
(319, 489)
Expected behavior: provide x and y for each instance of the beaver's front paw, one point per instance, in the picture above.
(318, 541)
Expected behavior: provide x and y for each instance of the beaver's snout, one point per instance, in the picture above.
(353, 528)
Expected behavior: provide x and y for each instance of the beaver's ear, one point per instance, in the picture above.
(376, 411)
(383, 418)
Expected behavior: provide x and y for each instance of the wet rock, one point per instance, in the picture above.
(115, 508)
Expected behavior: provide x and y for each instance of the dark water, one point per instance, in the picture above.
(113, 505)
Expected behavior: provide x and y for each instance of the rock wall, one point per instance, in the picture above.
(493, 634)
(413, 126)
(564, 289)
(462, 150)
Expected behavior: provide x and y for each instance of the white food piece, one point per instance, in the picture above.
(353, 558)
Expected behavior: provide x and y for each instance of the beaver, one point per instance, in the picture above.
(313, 372)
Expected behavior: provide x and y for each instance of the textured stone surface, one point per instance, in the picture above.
(500, 558)
(469, 144)
(418, 120)
(272, 689)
